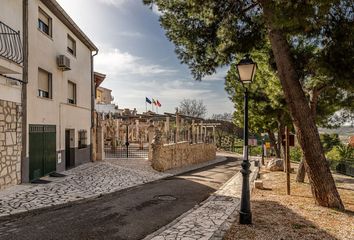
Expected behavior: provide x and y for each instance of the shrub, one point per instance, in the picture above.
(255, 150)
(329, 141)
(295, 154)
(333, 155)
(346, 152)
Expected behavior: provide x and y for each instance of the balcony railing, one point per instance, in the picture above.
(10, 44)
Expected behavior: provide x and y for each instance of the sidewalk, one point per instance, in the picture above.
(211, 218)
(87, 181)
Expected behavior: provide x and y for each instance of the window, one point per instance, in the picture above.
(82, 139)
(71, 92)
(44, 84)
(44, 22)
(71, 46)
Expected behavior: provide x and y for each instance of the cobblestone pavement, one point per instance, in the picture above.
(85, 181)
(210, 219)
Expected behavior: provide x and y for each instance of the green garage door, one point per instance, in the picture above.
(42, 150)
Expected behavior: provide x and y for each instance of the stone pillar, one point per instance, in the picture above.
(151, 129)
(201, 132)
(118, 124)
(137, 129)
(183, 138)
(177, 127)
(214, 139)
(100, 144)
(198, 126)
(193, 132)
(156, 148)
(167, 129)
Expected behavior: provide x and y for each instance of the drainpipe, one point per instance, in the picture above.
(92, 105)
(24, 162)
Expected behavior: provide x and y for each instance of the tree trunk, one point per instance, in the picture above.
(281, 131)
(274, 143)
(322, 183)
(300, 177)
(314, 95)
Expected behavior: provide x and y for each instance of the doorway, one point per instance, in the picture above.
(69, 148)
(42, 150)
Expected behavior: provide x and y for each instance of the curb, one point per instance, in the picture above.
(225, 225)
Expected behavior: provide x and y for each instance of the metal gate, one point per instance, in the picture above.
(130, 151)
(42, 150)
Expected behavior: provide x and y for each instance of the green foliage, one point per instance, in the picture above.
(341, 153)
(329, 141)
(266, 99)
(256, 150)
(295, 154)
(346, 152)
(209, 34)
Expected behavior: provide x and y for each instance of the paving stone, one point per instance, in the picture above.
(85, 181)
(210, 218)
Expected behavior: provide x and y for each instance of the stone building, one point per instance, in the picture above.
(46, 86)
(104, 95)
(10, 92)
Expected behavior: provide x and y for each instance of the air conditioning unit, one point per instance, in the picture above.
(63, 63)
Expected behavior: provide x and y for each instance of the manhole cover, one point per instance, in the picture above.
(165, 197)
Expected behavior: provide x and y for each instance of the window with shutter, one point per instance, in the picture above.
(44, 84)
(71, 46)
(71, 92)
(44, 22)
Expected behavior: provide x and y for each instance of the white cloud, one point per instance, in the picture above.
(116, 3)
(130, 34)
(117, 63)
(218, 76)
(156, 10)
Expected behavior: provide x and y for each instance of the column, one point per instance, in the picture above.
(177, 128)
(193, 132)
(214, 134)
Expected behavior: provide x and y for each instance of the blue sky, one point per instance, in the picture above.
(139, 60)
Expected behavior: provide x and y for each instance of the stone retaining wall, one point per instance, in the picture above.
(182, 154)
(10, 143)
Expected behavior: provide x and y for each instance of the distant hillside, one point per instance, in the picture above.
(343, 132)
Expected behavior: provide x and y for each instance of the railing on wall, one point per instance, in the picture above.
(10, 44)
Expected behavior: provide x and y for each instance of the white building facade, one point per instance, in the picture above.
(55, 105)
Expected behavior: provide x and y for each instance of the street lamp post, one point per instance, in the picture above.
(246, 69)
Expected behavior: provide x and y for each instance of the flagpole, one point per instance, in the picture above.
(146, 106)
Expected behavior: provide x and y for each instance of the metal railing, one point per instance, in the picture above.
(131, 151)
(10, 44)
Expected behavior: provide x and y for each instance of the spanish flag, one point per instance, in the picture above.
(154, 102)
(158, 103)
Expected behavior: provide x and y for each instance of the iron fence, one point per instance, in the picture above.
(131, 151)
(10, 44)
(345, 167)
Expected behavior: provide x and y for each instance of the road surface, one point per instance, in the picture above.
(128, 214)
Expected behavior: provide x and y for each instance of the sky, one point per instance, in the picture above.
(139, 60)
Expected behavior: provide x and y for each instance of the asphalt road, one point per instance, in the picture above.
(128, 214)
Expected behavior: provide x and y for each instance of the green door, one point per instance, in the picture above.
(42, 150)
